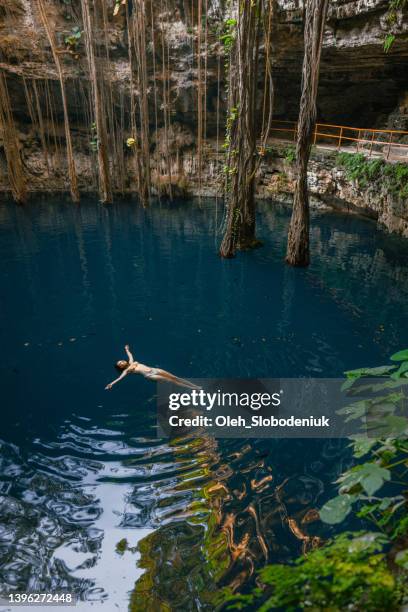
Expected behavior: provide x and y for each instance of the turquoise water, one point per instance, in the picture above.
(82, 469)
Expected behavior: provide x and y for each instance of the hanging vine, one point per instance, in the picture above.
(40, 124)
(133, 141)
(165, 75)
(138, 38)
(113, 129)
(153, 37)
(105, 190)
(200, 101)
(11, 145)
(70, 156)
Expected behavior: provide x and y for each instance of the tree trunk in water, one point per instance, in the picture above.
(105, 191)
(70, 156)
(10, 143)
(243, 161)
(297, 253)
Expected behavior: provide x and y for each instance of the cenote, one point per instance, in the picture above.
(91, 499)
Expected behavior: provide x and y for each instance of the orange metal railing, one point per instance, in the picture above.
(372, 141)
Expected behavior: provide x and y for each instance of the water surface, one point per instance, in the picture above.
(90, 498)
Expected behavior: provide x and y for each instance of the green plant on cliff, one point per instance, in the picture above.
(364, 570)
(227, 38)
(290, 154)
(391, 18)
(74, 38)
(228, 34)
(365, 171)
(388, 42)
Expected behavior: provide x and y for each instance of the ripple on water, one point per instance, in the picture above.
(59, 507)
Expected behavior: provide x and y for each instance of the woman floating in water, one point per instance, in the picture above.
(134, 367)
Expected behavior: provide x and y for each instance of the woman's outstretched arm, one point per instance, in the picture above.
(116, 380)
(129, 354)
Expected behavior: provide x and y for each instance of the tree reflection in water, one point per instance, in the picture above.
(242, 514)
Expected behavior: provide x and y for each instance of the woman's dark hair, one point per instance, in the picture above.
(121, 365)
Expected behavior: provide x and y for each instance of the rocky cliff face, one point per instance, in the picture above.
(331, 186)
(360, 85)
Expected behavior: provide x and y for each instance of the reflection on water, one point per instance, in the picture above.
(252, 506)
(90, 499)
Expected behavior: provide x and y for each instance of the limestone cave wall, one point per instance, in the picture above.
(361, 85)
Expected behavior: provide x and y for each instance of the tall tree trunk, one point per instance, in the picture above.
(297, 253)
(11, 146)
(243, 161)
(70, 155)
(105, 190)
(240, 202)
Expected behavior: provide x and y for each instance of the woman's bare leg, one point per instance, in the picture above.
(181, 382)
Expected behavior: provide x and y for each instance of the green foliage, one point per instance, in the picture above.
(350, 572)
(391, 18)
(397, 4)
(230, 167)
(358, 167)
(397, 177)
(400, 356)
(73, 39)
(387, 458)
(228, 37)
(388, 42)
(336, 509)
(401, 558)
(232, 117)
(367, 478)
(363, 171)
(228, 34)
(290, 154)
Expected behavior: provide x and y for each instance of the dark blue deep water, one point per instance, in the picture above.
(81, 469)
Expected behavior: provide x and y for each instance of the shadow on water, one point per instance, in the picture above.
(91, 499)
